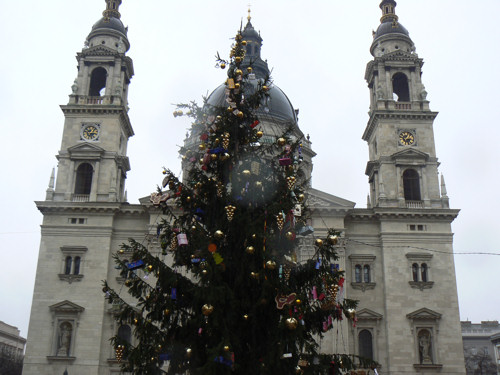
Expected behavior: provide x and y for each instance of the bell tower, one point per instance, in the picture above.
(93, 160)
(402, 166)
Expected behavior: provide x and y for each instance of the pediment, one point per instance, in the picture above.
(66, 307)
(367, 314)
(320, 199)
(424, 314)
(99, 50)
(85, 150)
(410, 154)
(399, 55)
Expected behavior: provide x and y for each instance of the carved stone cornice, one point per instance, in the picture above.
(70, 278)
(421, 284)
(89, 207)
(376, 116)
(396, 213)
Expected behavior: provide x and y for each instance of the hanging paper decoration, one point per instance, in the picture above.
(135, 265)
(182, 239)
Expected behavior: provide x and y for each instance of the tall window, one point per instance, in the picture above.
(411, 185)
(366, 274)
(125, 333)
(357, 273)
(67, 265)
(423, 271)
(76, 268)
(98, 82)
(83, 182)
(414, 271)
(365, 344)
(400, 87)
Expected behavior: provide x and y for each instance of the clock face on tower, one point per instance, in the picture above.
(406, 138)
(90, 132)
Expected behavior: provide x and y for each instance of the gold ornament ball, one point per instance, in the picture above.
(298, 301)
(166, 312)
(259, 134)
(188, 199)
(128, 283)
(237, 59)
(201, 147)
(249, 69)
(246, 173)
(245, 316)
(238, 72)
(201, 161)
(224, 156)
(226, 348)
(258, 184)
(270, 265)
(244, 42)
(237, 86)
(240, 114)
(254, 236)
(301, 197)
(352, 313)
(121, 251)
(289, 235)
(298, 370)
(265, 88)
(229, 109)
(219, 234)
(213, 157)
(135, 321)
(189, 352)
(150, 268)
(318, 242)
(281, 141)
(223, 66)
(332, 239)
(207, 309)
(254, 275)
(204, 272)
(291, 323)
(250, 249)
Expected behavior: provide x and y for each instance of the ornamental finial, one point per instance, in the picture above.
(249, 17)
(112, 7)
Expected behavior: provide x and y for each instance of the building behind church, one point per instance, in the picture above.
(396, 253)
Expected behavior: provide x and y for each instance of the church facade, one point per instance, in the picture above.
(396, 253)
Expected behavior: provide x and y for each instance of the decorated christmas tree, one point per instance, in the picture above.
(224, 292)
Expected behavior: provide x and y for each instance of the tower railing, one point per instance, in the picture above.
(414, 204)
(403, 105)
(80, 197)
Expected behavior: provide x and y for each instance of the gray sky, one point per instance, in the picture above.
(318, 51)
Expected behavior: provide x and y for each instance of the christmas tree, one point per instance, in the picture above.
(224, 292)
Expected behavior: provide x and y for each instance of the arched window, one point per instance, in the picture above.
(67, 265)
(83, 179)
(411, 185)
(400, 87)
(357, 273)
(98, 82)
(366, 274)
(414, 271)
(76, 270)
(365, 344)
(423, 271)
(125, 333)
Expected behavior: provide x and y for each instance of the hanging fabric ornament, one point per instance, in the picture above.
(230, 212)
(225, 140)
(220, 189)
(290, 182)
(173, 243)
(280, 221)
(119, 352)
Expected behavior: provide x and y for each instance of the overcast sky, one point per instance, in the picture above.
(318, 51)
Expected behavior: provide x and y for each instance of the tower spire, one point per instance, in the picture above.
(249, 17)
(112, 7)
(388, 11)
